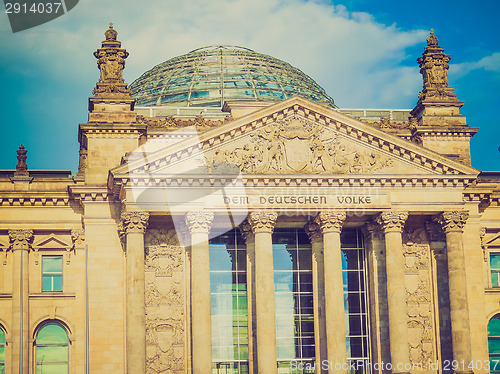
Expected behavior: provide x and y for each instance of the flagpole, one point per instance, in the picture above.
(21, 319)
(87, 361)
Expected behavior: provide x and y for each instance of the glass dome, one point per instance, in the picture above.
(211, 75)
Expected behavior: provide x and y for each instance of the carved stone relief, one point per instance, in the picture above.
(421, 335)
(295, 145)
(165, 304)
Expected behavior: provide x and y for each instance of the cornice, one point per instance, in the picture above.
(36, 198)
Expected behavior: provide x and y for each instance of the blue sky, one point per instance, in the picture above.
(362, 52)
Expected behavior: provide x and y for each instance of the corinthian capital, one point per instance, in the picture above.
(246, 231)
(330, 221)
(134, 222)
(392, 220)
(20, 239)
(313, 232)
(199, 222)
(453, 220)
(262, 221)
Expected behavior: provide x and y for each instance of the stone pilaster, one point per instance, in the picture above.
(330, 224)
(20, 244)
(452, 223)
(318, 269)
(133, 226)
(262, 224)
(199, 224)
(392, 223)
(248, 235)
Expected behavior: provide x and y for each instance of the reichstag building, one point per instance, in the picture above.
(228, 218)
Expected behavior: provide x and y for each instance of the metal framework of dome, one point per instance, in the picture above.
(209, 76)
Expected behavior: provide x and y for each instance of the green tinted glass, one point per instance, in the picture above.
(494, 327)
(52, 333)
(52, 264)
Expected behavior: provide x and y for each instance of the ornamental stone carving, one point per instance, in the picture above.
(392, 220)
(78, 238)
(161, 236)
(20, 239)
(134, 222)
(313, 231)
(331, 221)
(199, 222)
(372, 231)
(295, 145)
(453, 220)
(262, 221)
(435, 232)
(246, 232)
(111, 62)
(21, 167)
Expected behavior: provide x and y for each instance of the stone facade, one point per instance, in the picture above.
(135, 254)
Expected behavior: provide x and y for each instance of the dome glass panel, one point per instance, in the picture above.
(211, 75)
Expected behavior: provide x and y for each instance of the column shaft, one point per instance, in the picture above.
(452, 223)
(201, 322)
(134, 225)
(262, 225)
(20, 244)
(318, 273)
(331, 226)
(392, 224)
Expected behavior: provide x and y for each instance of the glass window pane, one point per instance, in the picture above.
(52, 333)
(52, 369)
(52, 264)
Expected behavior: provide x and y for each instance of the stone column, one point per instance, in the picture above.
(453, 223)
(377, 283)
(392, 223)
(20, 243)
(199, 224)
(246, 232)
(134, 226)
(331, 224)
(318, 271)
(262, 224)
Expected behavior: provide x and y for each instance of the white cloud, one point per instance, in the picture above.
(490, 63)
(357, 60)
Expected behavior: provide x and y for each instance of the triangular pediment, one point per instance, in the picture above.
(295, 137)
(51, 241)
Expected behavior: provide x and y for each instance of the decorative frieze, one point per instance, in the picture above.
(161, 236)
(20, 239)
(453, 220)
(331, 221)
(199, 222)
(262, 221)
(392, 220)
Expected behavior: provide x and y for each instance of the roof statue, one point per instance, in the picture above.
(21, 167)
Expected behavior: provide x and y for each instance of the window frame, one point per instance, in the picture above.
(67, 345)
(4, 344)
(52, 274)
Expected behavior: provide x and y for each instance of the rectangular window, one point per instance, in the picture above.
(495, 269)
(52, 273)
(229, 302)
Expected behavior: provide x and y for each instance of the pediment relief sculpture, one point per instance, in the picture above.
(295, 145)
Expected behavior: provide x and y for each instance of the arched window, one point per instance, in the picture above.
(494, 343)
(52, 349)
(2, 351)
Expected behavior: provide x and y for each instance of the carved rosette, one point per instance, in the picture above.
(199, 222)
(313, 231)
(78, 238)
(134, 222)
(331, 221)
(262, 221)
(20, 239)
(392, 221)
(453, 220)
(246, 232)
